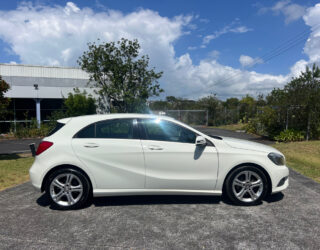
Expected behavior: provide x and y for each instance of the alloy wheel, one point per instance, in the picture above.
(66, 189)
(247, 186)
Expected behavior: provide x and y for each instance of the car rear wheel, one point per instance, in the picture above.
(68, 189)
(246, 185)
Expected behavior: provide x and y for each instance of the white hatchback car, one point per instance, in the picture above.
(137, 154)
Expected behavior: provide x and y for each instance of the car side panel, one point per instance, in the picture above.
(180, 166)
(115, 163)
(231, 157)
(60, 153)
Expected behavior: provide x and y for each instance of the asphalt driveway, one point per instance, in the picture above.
(288, 221)
(17, 146)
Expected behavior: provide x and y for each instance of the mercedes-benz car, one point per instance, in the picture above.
(137, 154)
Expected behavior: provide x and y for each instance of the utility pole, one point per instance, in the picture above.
(287, 118)
(207, 123)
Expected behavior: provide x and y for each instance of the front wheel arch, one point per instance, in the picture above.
(253, 165)
(46, 178)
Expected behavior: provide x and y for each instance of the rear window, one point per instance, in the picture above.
(57, 127)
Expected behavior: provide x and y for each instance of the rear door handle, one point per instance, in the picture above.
(91, 145)
(154, 147)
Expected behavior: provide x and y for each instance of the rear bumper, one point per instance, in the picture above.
(36, 176)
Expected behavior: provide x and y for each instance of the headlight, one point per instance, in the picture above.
(277, 159)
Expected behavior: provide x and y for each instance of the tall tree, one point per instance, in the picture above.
(304, 91)
(122, 77)
(4, 101)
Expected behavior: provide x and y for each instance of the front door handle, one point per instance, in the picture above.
(91, 145)
(154, 147)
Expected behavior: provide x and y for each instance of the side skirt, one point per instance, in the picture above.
(126, 192)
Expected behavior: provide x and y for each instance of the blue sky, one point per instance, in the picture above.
(199, 45)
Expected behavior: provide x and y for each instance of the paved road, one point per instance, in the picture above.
(229, 133)
(17, 146)
(288, 221)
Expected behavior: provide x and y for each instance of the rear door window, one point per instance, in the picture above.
(111, 129)
(117, 129)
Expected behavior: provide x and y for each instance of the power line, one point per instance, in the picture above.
(284, 47)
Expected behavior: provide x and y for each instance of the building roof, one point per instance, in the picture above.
(23, 70)
(51, 81)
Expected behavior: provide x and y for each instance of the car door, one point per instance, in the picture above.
(113, 152)
(172, 159)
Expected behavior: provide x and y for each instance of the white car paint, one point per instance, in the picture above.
(134, 166)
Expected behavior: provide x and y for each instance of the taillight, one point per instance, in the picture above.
(43, 146)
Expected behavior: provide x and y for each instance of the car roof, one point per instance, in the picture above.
(115, 116)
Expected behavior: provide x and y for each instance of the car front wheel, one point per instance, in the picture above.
(68, 189)
(246, 185)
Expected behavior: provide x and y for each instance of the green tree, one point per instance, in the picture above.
(304, 92)
(214, 107)
(79, 103)
(231, 103)
(4, 101)
(247, 107)
(122, 77)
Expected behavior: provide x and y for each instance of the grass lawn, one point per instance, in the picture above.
(14, 169)
(304, 157)
(233, 127)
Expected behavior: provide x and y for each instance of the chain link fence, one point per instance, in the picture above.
(191, 117)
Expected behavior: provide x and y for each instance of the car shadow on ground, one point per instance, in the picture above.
(157, 200)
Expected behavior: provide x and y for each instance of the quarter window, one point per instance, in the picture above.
(87, 132)
(161, 130)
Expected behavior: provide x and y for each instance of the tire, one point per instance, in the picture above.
(246, 185)
(68, 188)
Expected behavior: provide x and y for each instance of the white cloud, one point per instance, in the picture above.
(230, 28)
(192, 81)
(192, 48)
(312, 46)
(248, 61)
(58, 36)
(214, 54)
(291, 11)
(298, 67)
(71, 7)
(240, 29)
(204, 20)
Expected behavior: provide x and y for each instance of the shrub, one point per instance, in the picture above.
(289, 135)
(252, 126)
(31, 130)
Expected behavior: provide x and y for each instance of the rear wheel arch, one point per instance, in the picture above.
(64, 166)
(252, 165)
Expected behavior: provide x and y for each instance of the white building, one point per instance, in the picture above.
(38, 90)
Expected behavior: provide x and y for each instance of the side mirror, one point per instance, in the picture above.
(201, 141)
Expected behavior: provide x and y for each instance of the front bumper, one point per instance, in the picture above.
(280, 179)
